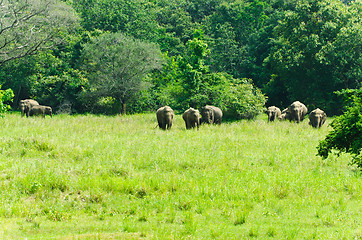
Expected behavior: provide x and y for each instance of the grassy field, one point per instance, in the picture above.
(98, 177)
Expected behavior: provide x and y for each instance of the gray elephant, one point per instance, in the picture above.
(317, 118)
(211, 114)
(297, 111)
(165, 117)
(41, 110)
(273, 113)
(25, 106)
(192, 118)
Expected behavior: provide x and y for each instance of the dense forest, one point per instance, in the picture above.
(111, 56)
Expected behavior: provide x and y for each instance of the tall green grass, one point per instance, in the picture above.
(98, 177)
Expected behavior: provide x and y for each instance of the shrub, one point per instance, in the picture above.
(244, 101)
(346, 135)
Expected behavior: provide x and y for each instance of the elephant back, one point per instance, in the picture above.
(191, 112)
(164, 109)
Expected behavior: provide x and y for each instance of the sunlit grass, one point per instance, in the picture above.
(104, 177)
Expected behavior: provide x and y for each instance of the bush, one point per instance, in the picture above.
(346, 135)
(244, 101)
(5, 96)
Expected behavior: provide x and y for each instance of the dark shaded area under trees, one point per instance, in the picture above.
(222, 52)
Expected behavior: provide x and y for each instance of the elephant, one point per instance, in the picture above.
(25, 106)
(297, 111)
(285, 115)
(317, 118)
(165, 117)
(211, 114)
(40, 110)
(192, 118)
(273, 113)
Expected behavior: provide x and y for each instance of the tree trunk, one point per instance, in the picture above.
(123, 108)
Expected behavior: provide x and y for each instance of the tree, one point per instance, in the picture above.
(346, 135)
(316, 52)
(186, 81)
(117, 66)
(26, 27)
(192, 66)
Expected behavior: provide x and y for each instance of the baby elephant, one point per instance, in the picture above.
(192, 118)
(273, 113)
(317, 118)
(40, 110)
(165, 117)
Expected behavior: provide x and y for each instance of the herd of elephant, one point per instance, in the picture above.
(211, 114)
(296, 112)
(30, 107)
(192, 117)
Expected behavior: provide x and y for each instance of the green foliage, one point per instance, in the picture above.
(135, 18)
(6, 96)
(346, 135)
(240, 33)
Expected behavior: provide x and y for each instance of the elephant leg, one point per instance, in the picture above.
(187, 124)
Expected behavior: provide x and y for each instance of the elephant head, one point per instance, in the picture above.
(165, 117)
(317, 118)
(297, 111)
(273, 113)
(192, 118)
(207, 114)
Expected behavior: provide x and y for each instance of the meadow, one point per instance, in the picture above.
(120, 177)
